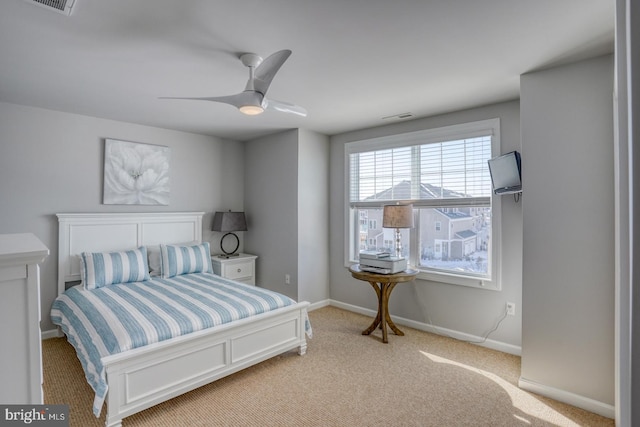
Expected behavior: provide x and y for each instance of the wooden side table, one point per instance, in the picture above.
(383, 284)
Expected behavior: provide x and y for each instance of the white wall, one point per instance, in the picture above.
(461, 309)
(568, 233)
(52, 162)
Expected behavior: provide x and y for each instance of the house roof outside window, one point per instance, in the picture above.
(402, 191)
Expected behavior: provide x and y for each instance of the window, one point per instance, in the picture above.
(443, 172)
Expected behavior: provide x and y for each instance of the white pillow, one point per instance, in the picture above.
(176, 260)
(98, 269)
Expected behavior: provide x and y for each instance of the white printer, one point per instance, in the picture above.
(381, 262)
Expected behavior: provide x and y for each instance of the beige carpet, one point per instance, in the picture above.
(345, 379)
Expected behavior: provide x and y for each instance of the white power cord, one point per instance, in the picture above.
(484, 338)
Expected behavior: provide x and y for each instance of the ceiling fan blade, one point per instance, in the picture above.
(237, 100)
(266, 71)
(231, 99)
(252, 100)
(284, 107)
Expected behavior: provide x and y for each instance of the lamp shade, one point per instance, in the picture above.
(229, 221)
(397, 216)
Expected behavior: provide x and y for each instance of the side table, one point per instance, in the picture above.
(383, 284)
(241, 268)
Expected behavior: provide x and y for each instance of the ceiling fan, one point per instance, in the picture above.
(252, 100)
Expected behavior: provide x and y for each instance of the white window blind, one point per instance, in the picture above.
(442, 170)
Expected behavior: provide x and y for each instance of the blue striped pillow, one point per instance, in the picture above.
(98, 269)
(176, 260)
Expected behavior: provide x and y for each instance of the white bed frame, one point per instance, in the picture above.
(143, 377)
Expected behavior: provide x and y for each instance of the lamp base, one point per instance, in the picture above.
(227, 256)
(398, 244)
(226, 253)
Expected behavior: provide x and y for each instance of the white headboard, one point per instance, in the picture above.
(101, 232)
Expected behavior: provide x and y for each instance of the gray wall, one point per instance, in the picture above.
(627, 88)
(624, 221)
(52, 162)
(271, 205)
(458, 308)
(634, 117)
(313, 216)
(286, 196)
(568, 229)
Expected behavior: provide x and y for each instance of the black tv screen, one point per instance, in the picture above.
(505, 173)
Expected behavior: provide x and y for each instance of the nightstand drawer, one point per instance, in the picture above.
(239, 270)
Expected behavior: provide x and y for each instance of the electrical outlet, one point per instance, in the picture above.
(511, 308)
(287, 279)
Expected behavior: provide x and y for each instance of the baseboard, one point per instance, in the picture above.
(320, 304)
(492, 344)
(52, 333)
(576, 400)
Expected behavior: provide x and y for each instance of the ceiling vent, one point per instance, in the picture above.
(401, 116)
(60, 6)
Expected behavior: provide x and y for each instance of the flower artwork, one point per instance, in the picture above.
(135, 174)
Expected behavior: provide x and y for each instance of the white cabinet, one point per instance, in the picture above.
(241, 268)
(20, 352)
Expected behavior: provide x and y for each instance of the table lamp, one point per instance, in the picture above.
(397, 216)
(228, 222)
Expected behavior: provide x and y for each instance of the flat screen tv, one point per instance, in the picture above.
(505, 173)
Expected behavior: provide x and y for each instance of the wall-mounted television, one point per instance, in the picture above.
(505, 171)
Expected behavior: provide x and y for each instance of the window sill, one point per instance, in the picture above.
(451, 279)
(455, 279)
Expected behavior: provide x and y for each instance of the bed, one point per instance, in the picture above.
(183, 326)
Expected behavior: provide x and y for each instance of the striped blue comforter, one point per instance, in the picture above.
(117, 318)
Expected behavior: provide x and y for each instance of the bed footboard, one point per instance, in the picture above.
(144, 377)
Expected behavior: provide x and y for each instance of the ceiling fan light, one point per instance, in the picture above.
(251, 110)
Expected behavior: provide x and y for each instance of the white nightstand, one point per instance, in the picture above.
(241, 268)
